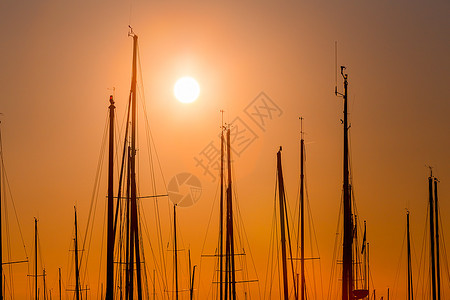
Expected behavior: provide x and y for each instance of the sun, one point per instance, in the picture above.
(186, 89)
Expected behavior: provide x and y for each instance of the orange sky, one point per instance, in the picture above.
(59, 61)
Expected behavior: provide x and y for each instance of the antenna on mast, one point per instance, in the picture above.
(335, 67)
(222, 111)
(342, 72)
(301, 127)
(431, 170)
(131, 32)
(113, 89)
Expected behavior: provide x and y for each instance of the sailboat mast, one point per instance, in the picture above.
(368, 271)
(175, 250)
(230, 218)
(433, 267)
(191, 278)
(230, 232)
(1, 249)
(59, 271)
(36, 261)
(355, 248)
(302, 214)
(282, 224)
(77, 270)
(110, 237)
(128, 256)
(366, 278)
(410, 287)
(436, 213)
(221, 215)
(45, 289)
(134, 216)
(347, 272)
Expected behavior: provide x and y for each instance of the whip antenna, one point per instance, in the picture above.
(335, 67)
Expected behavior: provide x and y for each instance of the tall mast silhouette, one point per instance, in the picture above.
(436, 212)
(175, 249)
(221, 213)
(410, 281)
(1, 250)
(230, 272)
(36, 261)
(282, 224)
(110, 237)
(77, 269)
(347, 253)
(432, 250)
(133, 242)
(302, 215)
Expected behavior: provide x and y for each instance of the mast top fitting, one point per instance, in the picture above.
(131, 32)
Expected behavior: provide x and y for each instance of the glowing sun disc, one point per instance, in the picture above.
(186, 89)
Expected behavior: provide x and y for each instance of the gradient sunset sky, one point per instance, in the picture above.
(60, 60)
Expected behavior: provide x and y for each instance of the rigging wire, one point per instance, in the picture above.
(92, 207)
(399, 266)
(336, 252)
(241, 229)
(272, 264)
(102, 243)
(5, 180)
(312, 232)
(421, 278)
(151, 143)
(311, 222)
(443, 255)
(204, 240)
(70, 262)
(240, 234)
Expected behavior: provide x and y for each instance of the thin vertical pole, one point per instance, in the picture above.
(77, 271)
(302, 214)
(230, 220)
(356, 264)
(36, 294)
(410, 286)
(59, 271)
(368, 270)
(190, 272)
(128, 254)
(436, 213)
(1, 249)
(192, 284)
(221, 215)
(433, 267)
(176, 250)
(110, 237)
(191, 278)
(365, 257)
(134, 214)
(45, 288)
(347, 276)
(282, 225)
(125, 160)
